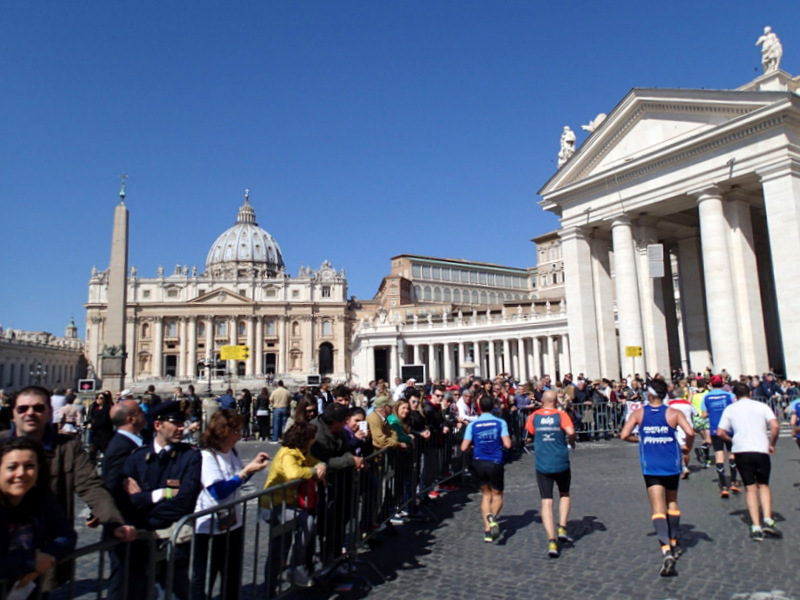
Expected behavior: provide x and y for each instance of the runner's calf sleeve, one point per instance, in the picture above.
(733, 469)
(662, 529)
(674, 522)
(721, 474)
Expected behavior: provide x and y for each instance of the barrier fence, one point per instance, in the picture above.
(267, 542)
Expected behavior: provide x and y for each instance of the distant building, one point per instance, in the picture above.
(39, 357)
(176, 323)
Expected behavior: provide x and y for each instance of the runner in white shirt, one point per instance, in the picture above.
(755, 431)
(689, 412)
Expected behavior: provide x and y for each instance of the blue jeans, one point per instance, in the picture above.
(279, 418)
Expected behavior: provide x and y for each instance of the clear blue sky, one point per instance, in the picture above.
(363, 129)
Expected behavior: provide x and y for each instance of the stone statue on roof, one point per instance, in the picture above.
(567, 146)
(771, 50)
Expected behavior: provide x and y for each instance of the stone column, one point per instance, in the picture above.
(416, 354)
(249, 367)
(259, 347)
(537, 357)
(393, 370)
(340, 346)
(233, 340)
(492, 369)
(750, 323)
(462, 354)
(209, 338)
(519, 360)
(157, 368)
(310, 351)
(191, 359)
(693, 307)
(448, 360)
(283, 345)
(182, 346)
(604, 305)
(781, 186)
(113, 367)
(578, 259)
(370, 356)
(551, 357)
(629, 314)
(654, 311)
(531, 372)
(566, 366)
(507, 366)
(131, 347)
(720, 297)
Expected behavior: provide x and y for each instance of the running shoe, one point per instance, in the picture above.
(668, 566)
(708, 464)
(487, 537)
(494, 526)
(723, 493)
(552, 549)
(700, 455)
(769, 527)
(735, 487)
(685, 474)
(756, 534)
(563, 536)
(433, 494)
(677, 551)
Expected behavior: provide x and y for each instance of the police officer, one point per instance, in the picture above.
(162, 480)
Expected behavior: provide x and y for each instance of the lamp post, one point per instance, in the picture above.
(38, 374)
(208, 361)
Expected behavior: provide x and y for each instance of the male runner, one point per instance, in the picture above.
(552, 430)
(489, 436)
(689, 412)
(714, 402)
(701, 423)
(661, 460)
(749, 420)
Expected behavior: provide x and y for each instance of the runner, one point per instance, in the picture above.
(714, 402)
(749, 420)
(552, 430)
(689, 412)
(660, 456)
(700, 423)
(489, 436)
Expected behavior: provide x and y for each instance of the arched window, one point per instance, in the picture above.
(492, 298)
(501, 297)
(201, 329)
(447, 295)
(483, 298)
(326, 328)
(242, 328)
(270, 327)
(222, 328)
(295, 328)
(474, 297)
(417, 293)
(172, 329)
(437, 294)
(427, 292)
(325, 358)
(456, 295)
(145, 330)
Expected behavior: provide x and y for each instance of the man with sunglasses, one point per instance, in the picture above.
(71, 471)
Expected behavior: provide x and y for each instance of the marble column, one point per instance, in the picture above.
(191, 357)
(537, 357)
(157, 368)
(519, 360)
(576, 249)
(182, 346)
(566, 366)
(448, 360)
(492, 369)
(531, 371)
(370, 360)
(629, 314)
(605, 318)
(233, 337)
(507, 368)
(258, 351)
(310, 352)
(551, 357)
(131, 348)
(781, 187)
(393, 370)
(249, 365)
(209, 338)
(340, 349)
(462, 358)
(720, 296)
(750, 321)
(693, 306)
(416, 354)
(651, 291)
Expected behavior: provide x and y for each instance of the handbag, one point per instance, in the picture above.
(307, 495)
(225, 518)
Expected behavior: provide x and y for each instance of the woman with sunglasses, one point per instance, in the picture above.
(304, 412)
(100, 423)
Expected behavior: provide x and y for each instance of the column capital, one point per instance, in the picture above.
(571, 233)
(622, 219)
(131, 319)
(708, 192)
(786, 167)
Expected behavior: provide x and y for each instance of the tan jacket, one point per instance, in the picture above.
(383, 436)
(280, 398)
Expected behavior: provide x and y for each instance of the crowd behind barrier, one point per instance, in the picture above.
(338, 515)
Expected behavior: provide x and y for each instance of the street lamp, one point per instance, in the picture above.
(38, 374)
(208, 361)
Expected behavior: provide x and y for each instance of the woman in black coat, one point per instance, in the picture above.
(99, 418)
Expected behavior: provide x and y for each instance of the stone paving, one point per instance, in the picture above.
(615, 554)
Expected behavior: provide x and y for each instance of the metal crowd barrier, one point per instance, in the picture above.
(266, 555)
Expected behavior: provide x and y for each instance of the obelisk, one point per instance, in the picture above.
(114, 352)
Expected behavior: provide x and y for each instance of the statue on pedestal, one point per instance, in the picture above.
(771, 50)
(567, 146)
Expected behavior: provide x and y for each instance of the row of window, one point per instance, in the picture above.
(419, 271)
(221, 329)
(554, 253)
(21, 375)
(270, 293)
(552, 279)
(438, 294)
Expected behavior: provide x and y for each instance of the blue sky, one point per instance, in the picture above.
(364, 129)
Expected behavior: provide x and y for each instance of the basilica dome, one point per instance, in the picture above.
(245, 249)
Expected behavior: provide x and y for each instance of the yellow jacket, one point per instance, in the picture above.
(289, 464)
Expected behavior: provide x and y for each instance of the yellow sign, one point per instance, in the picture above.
(632, 351)
(234, 352)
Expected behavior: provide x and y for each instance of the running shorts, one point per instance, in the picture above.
(489, 473)
(669, 482)
(546, 481)
(699, 423)
(754, 467)
(719, 444)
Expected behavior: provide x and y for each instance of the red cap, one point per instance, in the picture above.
(716, 380)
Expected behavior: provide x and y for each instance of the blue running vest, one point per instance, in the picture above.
(659, 450)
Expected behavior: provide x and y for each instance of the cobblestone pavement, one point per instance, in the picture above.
(615, 554)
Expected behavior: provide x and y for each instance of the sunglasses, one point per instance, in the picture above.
(37, 408)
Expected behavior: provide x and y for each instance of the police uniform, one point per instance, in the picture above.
(173, 473)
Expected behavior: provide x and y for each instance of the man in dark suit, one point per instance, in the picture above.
(162, 481)
(129, 419)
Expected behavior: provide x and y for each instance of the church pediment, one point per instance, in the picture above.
(222, 297)
(648, 121)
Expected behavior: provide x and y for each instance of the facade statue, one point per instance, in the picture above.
(567, 146)
(194, 271)
(160, 271)
(771, 50)
(133, 272)
(595, 123)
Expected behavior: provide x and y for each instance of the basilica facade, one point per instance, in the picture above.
(176, 323)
